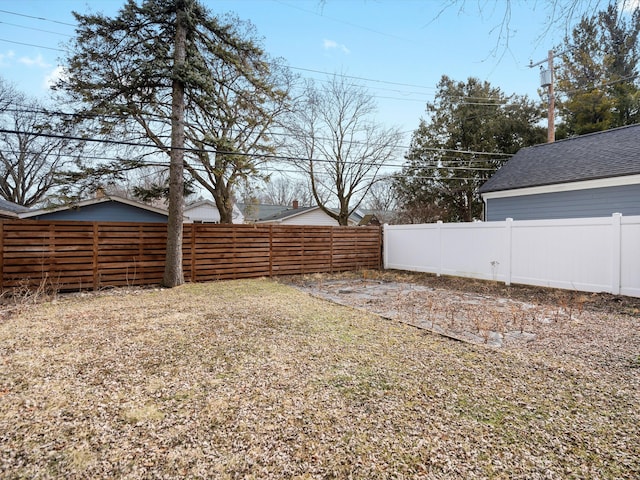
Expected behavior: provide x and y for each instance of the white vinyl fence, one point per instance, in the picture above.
(585, 254)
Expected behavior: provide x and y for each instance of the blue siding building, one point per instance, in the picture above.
(105, 209)
(593, 175)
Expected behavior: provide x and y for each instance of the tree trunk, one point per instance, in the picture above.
(173, 274)
(223, 202)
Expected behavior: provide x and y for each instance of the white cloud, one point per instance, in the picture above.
(331, 44)
(34, 62)
(7, 57)
(56, 74)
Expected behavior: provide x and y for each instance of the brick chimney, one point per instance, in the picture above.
(295, 204)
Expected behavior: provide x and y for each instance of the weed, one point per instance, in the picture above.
(26, 294)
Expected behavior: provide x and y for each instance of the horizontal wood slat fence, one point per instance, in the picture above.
(92, 255)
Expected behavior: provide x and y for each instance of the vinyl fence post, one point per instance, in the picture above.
(616, 252)
(439, 229)
(508, 244)
(385, 246)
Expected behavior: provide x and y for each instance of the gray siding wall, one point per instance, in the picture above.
(105, 212)
(596, 202)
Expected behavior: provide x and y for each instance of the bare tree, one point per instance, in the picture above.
(382, 201)
(560, 15)
(34, 148)
(338, 146)
(7, 93)
(283, 191)
(233, 140)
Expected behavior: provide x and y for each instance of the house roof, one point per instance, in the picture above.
(94, 201)
(259, 211)
(606, 154)
(200, 203)
(287, 213)
(10, 209)
(294, 212)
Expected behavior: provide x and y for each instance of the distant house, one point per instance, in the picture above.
(292, 215)
(206, 211)
(253, 212)
(10, 209)
(105, 208)
(112, 208)
(592, 175)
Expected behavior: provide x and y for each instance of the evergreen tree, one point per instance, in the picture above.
(471, 129)
(152, 71)
(597, 85)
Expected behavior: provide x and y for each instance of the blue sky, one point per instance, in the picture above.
(397, 49)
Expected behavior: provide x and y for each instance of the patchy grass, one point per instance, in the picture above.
(253, 379)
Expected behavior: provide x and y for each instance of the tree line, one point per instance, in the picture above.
(177, 100)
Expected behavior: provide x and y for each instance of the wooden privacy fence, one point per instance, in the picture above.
(92, 255)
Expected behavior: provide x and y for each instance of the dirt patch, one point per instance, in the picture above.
(601, 331)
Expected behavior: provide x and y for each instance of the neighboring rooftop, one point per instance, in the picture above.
(286, 213)
(257, 211)
(11, 210)
(8, 206)
(610, 153)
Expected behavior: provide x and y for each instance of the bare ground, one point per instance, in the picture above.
(255, 379)
(598, 331)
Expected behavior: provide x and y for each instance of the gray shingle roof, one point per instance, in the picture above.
(258, 211)
(611, 153)
(11, 207)
(290, 212)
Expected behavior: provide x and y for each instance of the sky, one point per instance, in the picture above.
(397, 49)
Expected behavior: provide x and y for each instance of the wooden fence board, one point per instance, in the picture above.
(92, 255)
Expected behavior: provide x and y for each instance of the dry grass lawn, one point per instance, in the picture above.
(254, 379)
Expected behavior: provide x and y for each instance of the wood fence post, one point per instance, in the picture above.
(96, 234)
(1, 255)
(302, 256)
(331, 250)
(616, 252)
(193, 227)
(270, 251)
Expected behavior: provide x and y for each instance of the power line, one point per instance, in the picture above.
(280, 134)
(378, 32)
(386, 82)
(304, 69)
(31, 45)
(36, 29)
(38, 18)
(219, 152)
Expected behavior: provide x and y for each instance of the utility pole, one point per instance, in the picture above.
(546, 81)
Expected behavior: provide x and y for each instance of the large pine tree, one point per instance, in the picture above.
(470, 130)
(597, 84)
(141, 73)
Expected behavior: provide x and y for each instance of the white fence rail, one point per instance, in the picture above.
(586, 254)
